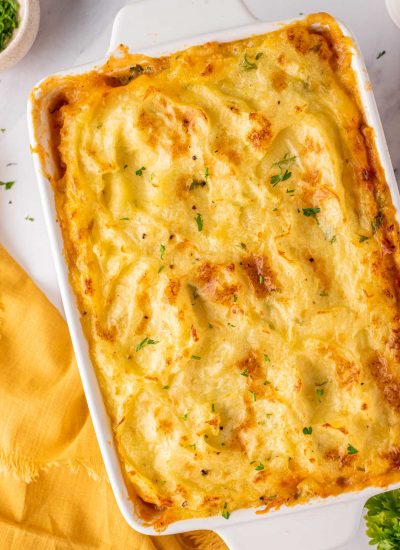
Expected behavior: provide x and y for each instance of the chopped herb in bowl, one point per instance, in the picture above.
(8, 21)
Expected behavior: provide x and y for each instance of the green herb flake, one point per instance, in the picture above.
(2, 130)
(235, 298)
(8, 22)
(124, 219)
(259, 467)
(184, 417)
(146, 342)
(162, 251)
(195, 357)
(212, 407)
(244, 373)
(266, 358)
(319, 392)
(351, 450)
(307, 431)
(7, 184)
(243, 245)
(381, 54)
(266, 383)
(30, 219)
(160, 268)
(333, 239)
(99, 125)
(225, 513)
(260, 279)
(230, 325)
(290, 191)
(206, 173)
(199, 221)
(377, 222)
(312, 212)
(140, 171)
(247, 64)
(166, 387)
(286, 160)
(323, 293)
(362, 238)
(253, 393)
(197, 183)
(259, 55)
(125, 166)
(193, 446)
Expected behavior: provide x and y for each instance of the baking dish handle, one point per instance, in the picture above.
(173, 20)
(312, 529)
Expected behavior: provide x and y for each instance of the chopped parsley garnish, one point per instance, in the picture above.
(206, 173)
(7, 184)
(235, 298)
(125, 166)
(225, 513)
(195, 357)
(259, 467)
(253, 393)
(380, 54)
(162, 250)
(212, 407)
(193, 446)
(2, 130)
(333, 240)
(362, 238)
(30, 219)
(266, 358)
(243, 245)
(197, 183)
(248, 65)
(266, 383)
(260, 279)
(166, 387)
(259, 55)
(312, 212)
(244, 373)
(351, 450)
(184, 417)
(286, 160)
(146, 342)
(290, 191)
(377, 222)
(161, 268)
(8, 21)
(319, 392)
(199, 221)
(100, 124)
(124, 219)
(307, 431)
(230, 325)
(140, 171)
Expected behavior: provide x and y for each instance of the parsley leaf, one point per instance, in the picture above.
(351, 450)
(184, 417)
(260, 279)
(7, 184)
(146, 342)
(197, 183)
(248, 65)
(140, 171)
(259, 467)
(307, 431)
(162, 250)
(362, 238)
(311, 212)
(244, 373)
(225, 513)
(266, 358)
(30, 219)
(383, 525)
(286, 160)
(195, 357)
(320, 393)
(199, 221)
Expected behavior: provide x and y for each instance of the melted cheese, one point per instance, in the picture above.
(232, 245)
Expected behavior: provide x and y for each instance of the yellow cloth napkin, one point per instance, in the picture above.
(53, 488)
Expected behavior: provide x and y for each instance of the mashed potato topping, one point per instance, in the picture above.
(234, 252)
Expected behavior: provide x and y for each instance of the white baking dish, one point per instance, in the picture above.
(319, 525)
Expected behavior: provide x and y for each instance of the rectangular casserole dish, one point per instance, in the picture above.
(123, 32)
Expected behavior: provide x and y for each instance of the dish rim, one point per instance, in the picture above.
(99, 415)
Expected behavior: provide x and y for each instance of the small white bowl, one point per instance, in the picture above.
(24, 36)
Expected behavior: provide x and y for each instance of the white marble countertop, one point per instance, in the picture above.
(75, 32)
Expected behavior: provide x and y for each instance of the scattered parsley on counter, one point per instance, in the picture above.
(351, 450)
(283, 175)
(380, 54)
(8, 21)
(2, 130)
(146, 342)
(259, 467)
(30, 219)
(383, 523)
(307, 431)
(199, 221)
(7, 184)
(140, 171)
